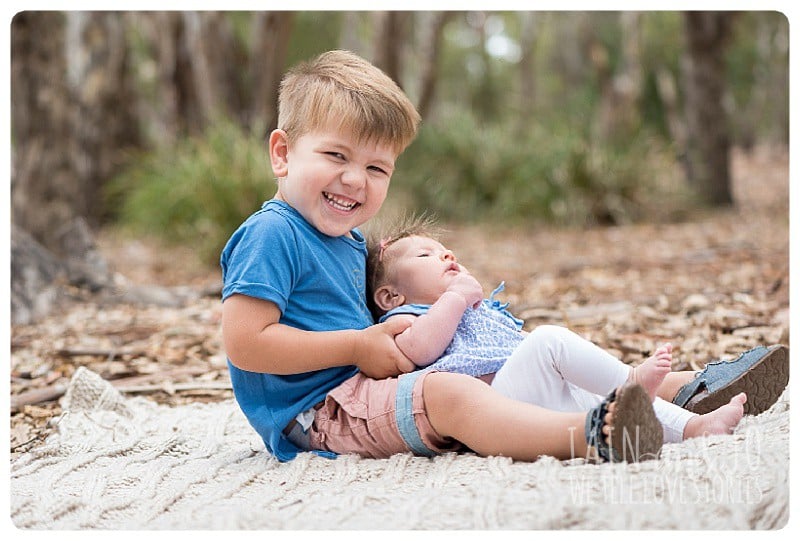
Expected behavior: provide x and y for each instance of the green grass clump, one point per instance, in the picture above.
(196, 192)
(465, 171)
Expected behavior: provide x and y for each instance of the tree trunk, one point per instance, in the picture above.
(484, 97)
(527, 69)
(707, 139)
(430, 69)
(162, 114)
(70, 117)
(106, 123)
(189, 107)
(46, 190)
(770, 99)
(618, 115)
(389, 41)
(271, 31)
(199, 75)
(668, 90)
(211, 51)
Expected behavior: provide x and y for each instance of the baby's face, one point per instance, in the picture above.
(421, 269)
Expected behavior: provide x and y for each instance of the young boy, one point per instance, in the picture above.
(308, 368)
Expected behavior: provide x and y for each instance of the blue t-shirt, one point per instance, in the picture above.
(318, 283)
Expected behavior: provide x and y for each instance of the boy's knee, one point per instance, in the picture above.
(443, 391)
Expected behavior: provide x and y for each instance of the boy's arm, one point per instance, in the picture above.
(256, 342)
(430, 334)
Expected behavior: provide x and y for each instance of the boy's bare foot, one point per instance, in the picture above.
(653, 370)
(720, 421)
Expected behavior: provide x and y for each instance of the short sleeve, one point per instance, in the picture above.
(260, 260)
(413, 309)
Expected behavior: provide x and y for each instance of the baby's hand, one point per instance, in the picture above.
(377, 354)
(468, 287)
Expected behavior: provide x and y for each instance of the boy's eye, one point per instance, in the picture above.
(337, 155)
(377, 169)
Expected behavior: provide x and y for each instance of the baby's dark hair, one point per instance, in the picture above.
(384, 234)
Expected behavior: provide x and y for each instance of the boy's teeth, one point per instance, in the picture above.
(340, 203)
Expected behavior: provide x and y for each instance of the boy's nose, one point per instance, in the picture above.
(447, 255)
(354, 177)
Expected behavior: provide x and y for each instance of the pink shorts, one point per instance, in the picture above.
(377, 419)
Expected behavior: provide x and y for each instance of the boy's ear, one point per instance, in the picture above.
(278, 153)
(387, 298)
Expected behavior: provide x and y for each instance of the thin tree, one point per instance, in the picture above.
(271, 32)
(389, 41)
(529, 35)
(432, 48)
(707, 128)
(105, 122)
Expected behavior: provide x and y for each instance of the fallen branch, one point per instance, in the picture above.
(107, 353)
(172, 388)
(146, 378)
(54, 392)
(37, 396)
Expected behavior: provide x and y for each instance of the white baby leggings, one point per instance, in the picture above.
(556, 369)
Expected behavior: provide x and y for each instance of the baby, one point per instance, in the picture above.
(454, 329)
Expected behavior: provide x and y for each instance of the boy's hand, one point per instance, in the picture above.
(468, 287)
(377, 354)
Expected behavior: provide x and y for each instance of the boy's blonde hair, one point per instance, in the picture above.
(382, 235)
(340, 90)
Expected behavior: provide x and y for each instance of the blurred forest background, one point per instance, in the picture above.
(155, 122)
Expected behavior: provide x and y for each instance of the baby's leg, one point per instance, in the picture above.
(539, 369)
(533, 373)
(674, 420)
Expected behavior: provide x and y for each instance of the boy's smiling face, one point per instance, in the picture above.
(333, 180)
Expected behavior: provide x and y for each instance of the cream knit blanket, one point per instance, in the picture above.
(128, 463)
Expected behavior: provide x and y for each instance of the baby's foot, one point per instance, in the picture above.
(720, 421)
(653, 370)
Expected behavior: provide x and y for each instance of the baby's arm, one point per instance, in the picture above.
(255, 341)
(428, 336)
